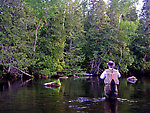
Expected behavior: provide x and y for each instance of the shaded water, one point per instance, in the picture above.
(83, 95)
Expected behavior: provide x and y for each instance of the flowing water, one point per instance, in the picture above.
(76, 95)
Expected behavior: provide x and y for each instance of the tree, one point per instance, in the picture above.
(108, 34)
(16, 26)
(140, 44)
(41, 10)
(96, 27)
(50, 46)
(73, 27)
(146, 14)
(123, 29)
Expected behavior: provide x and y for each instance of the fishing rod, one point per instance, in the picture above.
(120, 58)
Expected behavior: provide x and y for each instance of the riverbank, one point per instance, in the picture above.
(63, 74)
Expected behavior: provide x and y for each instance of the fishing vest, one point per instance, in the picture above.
(111, 74)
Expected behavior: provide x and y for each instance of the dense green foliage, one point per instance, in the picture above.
(16, 27)
(46, 36)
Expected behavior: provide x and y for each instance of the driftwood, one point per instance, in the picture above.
(20, 71)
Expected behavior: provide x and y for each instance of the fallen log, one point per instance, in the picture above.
(21, 71)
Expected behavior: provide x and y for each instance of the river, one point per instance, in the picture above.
(76, 95)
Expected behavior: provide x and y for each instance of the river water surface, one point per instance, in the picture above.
(76, 95)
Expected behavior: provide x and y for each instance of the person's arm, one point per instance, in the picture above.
(119, 75)
(103, 75)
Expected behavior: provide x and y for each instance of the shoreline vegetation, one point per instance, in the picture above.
(56, 38)
(19, 74)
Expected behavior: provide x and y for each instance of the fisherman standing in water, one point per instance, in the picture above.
(110, 76)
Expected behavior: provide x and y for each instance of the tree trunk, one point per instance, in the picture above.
(64, 19)
(99, 63)
(145, 57)
(92, 65)
(36, 34)
(21, 71)
(70, 44)
(119, 20)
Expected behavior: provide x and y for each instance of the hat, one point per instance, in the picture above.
(111, 64)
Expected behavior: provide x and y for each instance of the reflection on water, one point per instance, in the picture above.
(111, 107)
(12, 85)
(83, 103)
(83, 95)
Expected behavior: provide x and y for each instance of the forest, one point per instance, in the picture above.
(43, 37)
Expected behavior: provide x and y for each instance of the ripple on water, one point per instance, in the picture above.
(86, 99)
(96, 100)
(123, 100)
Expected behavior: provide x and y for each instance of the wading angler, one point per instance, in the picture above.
(111, 80)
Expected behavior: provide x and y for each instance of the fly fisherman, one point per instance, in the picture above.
(108, 75)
